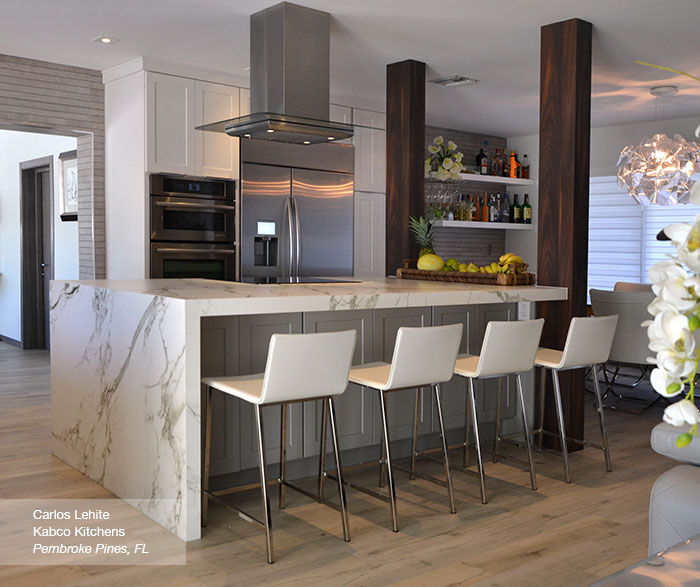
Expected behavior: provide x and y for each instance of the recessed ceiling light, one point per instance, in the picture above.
(664, 91)
(270, 130)
(307, 142)
(106, 40)
(454, 80)
(331, 138)
(247, 136)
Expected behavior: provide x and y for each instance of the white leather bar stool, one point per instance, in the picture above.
(300, 367)
(588, 344)
(508, 349)
(422, 356)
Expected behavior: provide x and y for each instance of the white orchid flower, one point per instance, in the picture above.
(433, 148)
(670, 337)
(661, 381)
(458, 157)
(438, 140)
(451, 146)
(665, 301)
(677, 232)
(447, 163)
(681, 413)
(661, 270)
(442, 174)
(695, 191)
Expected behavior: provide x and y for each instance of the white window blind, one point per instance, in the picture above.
(622, 243)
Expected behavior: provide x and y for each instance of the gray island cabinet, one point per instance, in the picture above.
(127, 358)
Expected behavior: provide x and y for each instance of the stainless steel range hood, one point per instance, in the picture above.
(289, 79)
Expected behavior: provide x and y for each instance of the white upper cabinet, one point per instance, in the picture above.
(245, 101)
(170, 121)
(339, 113)
(216, 154)
(370, 151)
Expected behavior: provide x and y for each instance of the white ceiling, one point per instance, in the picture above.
(495, 42)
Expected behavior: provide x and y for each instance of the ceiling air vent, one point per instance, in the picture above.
(454, 80)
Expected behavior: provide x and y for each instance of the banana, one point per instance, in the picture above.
(515, 259)
(482, 270)
(505, 257)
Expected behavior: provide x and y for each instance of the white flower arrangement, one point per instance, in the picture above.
(674, 333)
(444, 161)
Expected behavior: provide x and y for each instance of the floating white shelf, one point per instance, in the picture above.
(489, 225)
(477, 178)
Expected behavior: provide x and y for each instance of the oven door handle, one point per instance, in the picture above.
(198, 251)
(195, 205)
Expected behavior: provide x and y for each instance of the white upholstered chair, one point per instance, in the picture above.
(508, 349)
(587, 344)
(422, 357)
(300, 367)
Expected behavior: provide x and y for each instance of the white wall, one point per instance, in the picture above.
(16, 147)
(606, 144)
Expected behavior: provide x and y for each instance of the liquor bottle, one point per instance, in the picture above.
(505, 209)
(470, 208)
(506, 165)
(527, 211)
(496, 208)
(515, 211)
(525, 168)
(477, 210)
(484, 170)
(513, 165)
(479, 159)
(497, 164)
(485, 208)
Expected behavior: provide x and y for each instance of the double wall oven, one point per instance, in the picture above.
(193, 227)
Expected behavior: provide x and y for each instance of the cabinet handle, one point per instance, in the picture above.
(195, 205)
(198, 251)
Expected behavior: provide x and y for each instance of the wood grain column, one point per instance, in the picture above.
(405, 152)
(562, 257)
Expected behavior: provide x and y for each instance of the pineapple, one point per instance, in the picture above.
(422, 231)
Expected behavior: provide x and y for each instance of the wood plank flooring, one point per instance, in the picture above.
(559, 535)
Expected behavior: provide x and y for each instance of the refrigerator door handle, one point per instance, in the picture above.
(288, 212)
(298, 236)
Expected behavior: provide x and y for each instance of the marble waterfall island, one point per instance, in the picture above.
(125, 371)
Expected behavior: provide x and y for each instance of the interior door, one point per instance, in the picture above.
(265, 221)
(323, 204)
(45, 265)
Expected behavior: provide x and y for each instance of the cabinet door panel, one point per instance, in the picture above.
(245, 101)
(369, 234)
(487, 390)
(370, 151)
(454, 392)
(170, 124)
(354, 407)
(254, 339)
(220, 358)
(216, 154)
(401, 404)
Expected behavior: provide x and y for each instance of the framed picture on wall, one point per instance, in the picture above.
(68, 185)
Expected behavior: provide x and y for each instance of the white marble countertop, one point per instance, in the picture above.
(244, 298)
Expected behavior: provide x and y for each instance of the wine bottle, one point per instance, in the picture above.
(515, 211)
(505, 209)
(485, 208)
(479, 158)
(527, 211)
(497, 164)
(525, 167)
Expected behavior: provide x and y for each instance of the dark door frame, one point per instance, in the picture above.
(31, 214)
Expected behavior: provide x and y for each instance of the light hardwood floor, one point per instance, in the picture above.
(559, 535)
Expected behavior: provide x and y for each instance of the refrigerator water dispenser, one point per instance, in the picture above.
(265, 247)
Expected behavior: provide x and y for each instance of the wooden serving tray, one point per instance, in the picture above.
(464, 277)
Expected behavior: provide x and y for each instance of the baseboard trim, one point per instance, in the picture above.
(10, 341)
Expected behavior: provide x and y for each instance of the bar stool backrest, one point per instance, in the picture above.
(301, 366)
(509, 347)
(424, 355)
(588, 341)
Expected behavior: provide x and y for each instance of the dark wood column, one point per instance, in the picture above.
(562, 257)
(405, 152)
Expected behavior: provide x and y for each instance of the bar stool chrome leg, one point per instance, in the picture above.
(390, 473)
(339, 468)
(477, 442)
(414, 444)
(499, 405)
(601, 415)
(263, 484)
(467, 433)
(526, 431)
(543, 388)
(283, 457)
(322, 459)
(438, 402)
(207, 458)
(560, 419)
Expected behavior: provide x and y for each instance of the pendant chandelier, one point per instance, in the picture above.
(659, 170)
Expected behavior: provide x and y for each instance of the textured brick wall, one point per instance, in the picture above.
(66, 100)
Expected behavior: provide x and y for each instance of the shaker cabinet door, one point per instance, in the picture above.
(369, 235)
(170, 122)
(370, 150)
(216, 154)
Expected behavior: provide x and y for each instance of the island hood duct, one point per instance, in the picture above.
(289, 79)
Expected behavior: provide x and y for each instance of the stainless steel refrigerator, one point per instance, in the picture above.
(296, 223)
